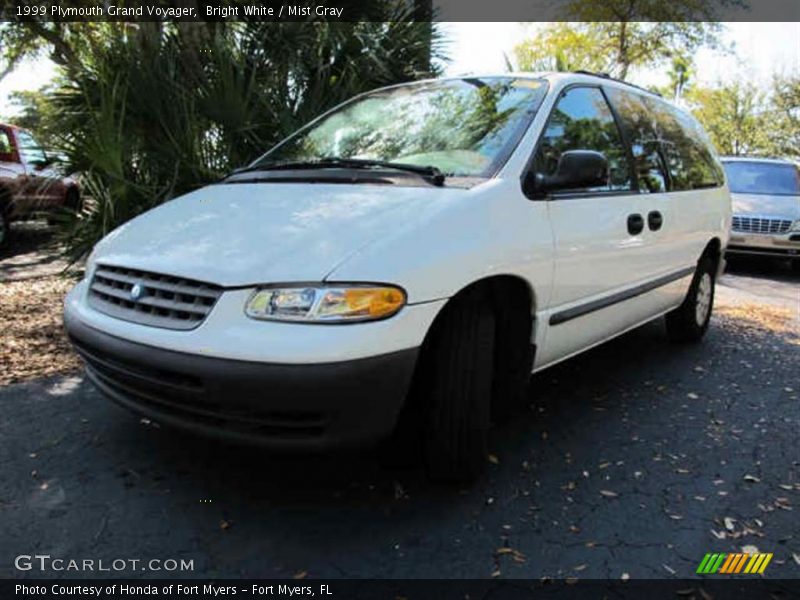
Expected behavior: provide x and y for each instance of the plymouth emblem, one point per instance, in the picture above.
(137, 291)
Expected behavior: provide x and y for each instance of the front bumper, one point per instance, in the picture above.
(283, 406)
(786, 245)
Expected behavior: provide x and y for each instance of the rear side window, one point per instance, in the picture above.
(582, 120)
(642, 133)
(671, 150)
(689, 158)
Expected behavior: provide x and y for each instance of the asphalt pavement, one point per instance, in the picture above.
(634, 460)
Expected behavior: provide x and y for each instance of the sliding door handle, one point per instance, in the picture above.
(654, 220)
(635, 224)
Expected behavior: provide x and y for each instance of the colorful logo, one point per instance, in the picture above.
(734, 563)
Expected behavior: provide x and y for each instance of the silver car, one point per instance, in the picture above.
(766, 207)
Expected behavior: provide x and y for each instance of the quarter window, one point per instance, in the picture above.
(582, 120)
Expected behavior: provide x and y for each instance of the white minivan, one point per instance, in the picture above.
(409, 257)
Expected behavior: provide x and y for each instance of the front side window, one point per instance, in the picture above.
(582, 120)
(30, 150)
(640, 128)
(751, 177)
(464, 127)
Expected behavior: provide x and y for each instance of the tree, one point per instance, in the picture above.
(615, 36)
(33, 113)
(784, 116)
(734, 117)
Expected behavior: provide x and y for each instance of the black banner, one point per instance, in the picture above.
(732, 588)
(375, 10)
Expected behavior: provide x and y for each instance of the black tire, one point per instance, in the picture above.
(796, 265)
(457, 389)
(5, 228)
(72, 202)
(689, 322)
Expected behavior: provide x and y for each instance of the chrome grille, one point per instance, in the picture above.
(158, 300)
(760, 225)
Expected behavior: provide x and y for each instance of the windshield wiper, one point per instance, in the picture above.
(430, 173)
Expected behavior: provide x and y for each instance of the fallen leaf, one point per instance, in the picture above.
(692, 396)
(223, 524)
(796, 558)
(608, 494)
(749, 549)
(579, 567)
(493, 459)
(300, 575)
(729, 523)
(625, 577)
(751, 478)
(669, 569)
(720, 535)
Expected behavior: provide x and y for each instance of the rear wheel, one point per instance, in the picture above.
(689, 322)
(456, 390)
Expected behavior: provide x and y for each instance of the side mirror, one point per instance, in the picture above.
(576, 169)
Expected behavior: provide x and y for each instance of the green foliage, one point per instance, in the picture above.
(615, 36)
(153, 110)
(742, 119)
(613, 47)
(733, 117)
(785, 116)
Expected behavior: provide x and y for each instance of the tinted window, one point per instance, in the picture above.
(689, 158)
(29, 149)
(582, 120)
(642, 133)
(463, 127)
(762, 178)
(5, 142)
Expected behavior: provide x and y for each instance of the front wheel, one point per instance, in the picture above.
(689, 322)
(457, 390)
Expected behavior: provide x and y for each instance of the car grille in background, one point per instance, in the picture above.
(162, 301)
(760, 225)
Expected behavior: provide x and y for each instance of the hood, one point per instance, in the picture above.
(245, 234)
(766, 205)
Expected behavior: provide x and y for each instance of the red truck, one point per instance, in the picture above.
(28, 181)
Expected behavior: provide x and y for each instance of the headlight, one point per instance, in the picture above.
(325, 304)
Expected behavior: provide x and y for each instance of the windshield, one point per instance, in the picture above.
(464, 127)
(762, 178)
(30, 150)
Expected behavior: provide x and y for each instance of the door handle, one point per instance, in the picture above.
(635, 224)
(654, 220)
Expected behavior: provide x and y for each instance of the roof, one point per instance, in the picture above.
(757, 159)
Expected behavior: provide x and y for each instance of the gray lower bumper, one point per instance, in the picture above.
(292, 407)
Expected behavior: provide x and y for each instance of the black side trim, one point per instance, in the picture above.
(594, 305)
